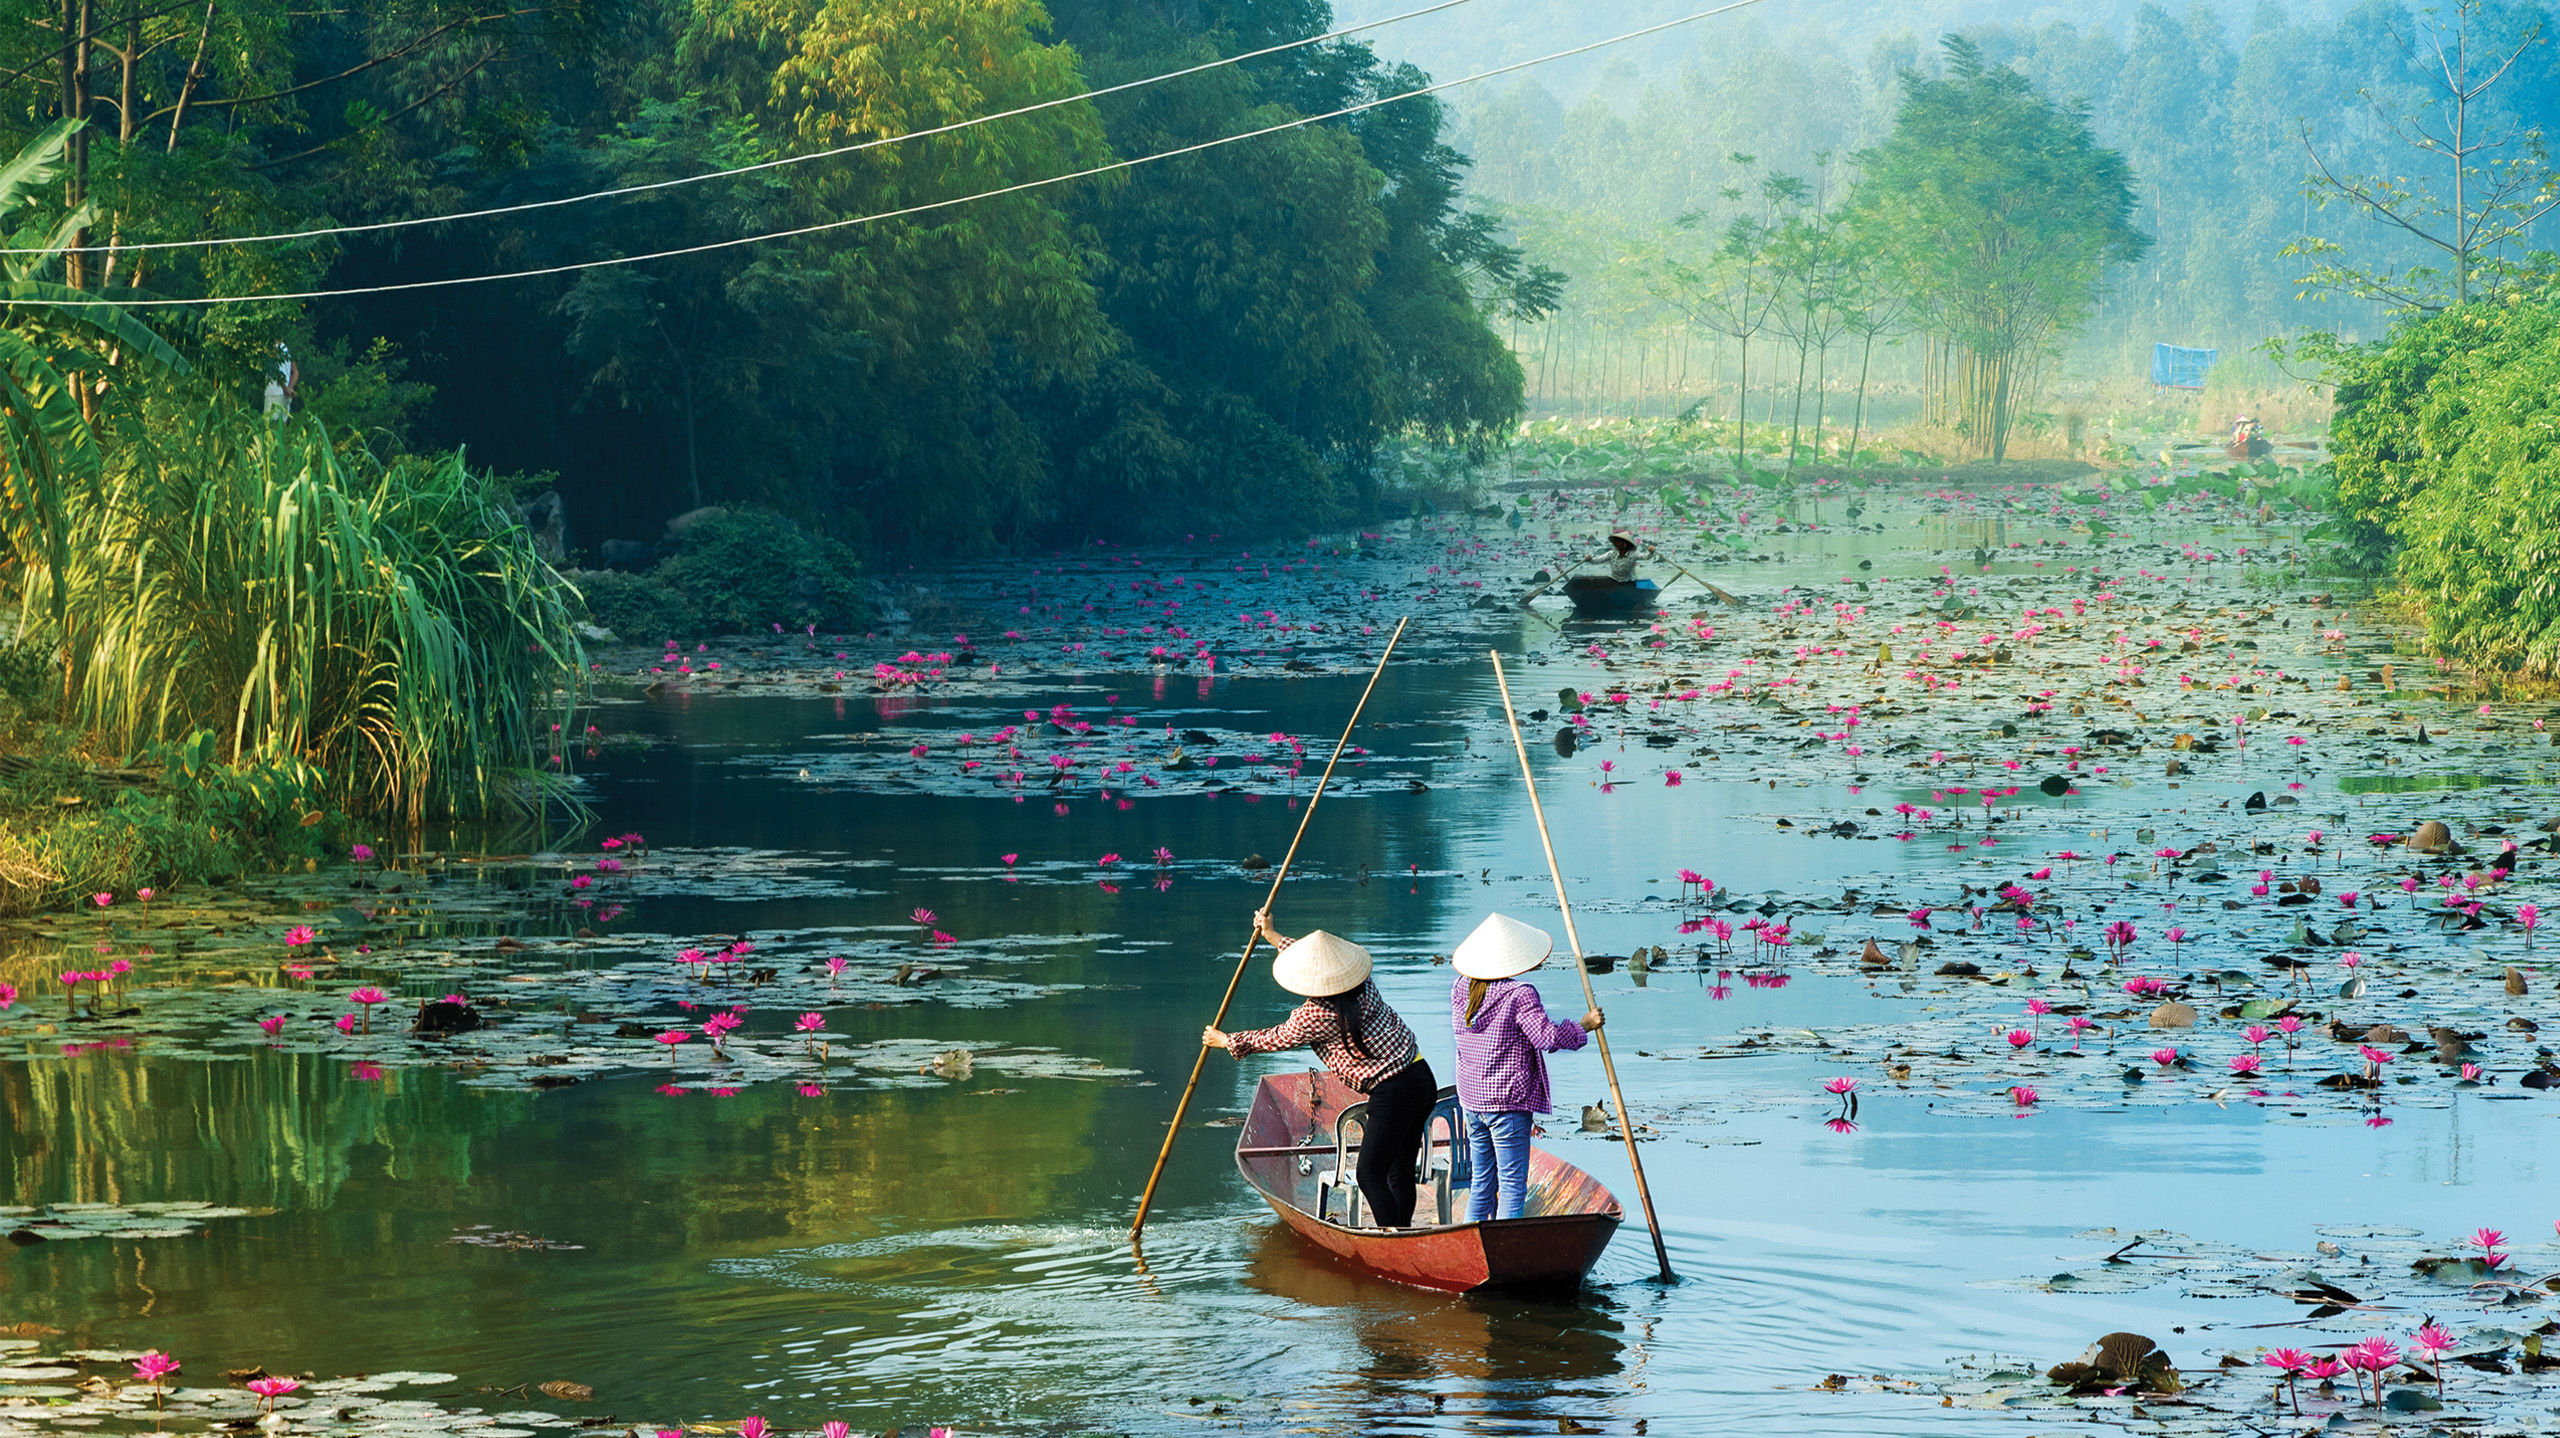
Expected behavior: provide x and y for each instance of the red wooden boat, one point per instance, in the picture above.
(1296, 1140)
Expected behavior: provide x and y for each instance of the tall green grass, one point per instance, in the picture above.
(387, 624)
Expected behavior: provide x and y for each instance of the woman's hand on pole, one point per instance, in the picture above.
(1592, 1021)
(1213, 1037)
(1270, 935)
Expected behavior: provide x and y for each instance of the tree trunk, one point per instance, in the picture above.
(75, 270)
(1742, 402)
(132, 57)
(1821, 393)
(195, 67)
(1858, 422)
(1795, 418)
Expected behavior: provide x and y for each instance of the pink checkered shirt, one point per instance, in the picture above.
(1312, 1026)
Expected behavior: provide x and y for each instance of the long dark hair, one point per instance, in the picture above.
(1345, 1008)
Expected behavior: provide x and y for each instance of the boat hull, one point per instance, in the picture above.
(2248, 449)
(1569, 1219)
(1592, 594)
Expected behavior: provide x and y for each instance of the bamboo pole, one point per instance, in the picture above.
(1608, 1066)
(1173, 1130)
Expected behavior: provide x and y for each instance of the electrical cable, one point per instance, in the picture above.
(378, 226)
(901, 213)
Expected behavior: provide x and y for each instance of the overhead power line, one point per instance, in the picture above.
(917, 209)
(379, 226)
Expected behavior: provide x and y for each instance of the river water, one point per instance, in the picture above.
(954, 1252)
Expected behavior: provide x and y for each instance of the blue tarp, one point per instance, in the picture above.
(2180, 367)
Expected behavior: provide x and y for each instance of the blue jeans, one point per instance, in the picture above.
(1498, 1154)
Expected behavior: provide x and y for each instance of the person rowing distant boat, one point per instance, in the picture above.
(1366, 1045)
(1621, 557)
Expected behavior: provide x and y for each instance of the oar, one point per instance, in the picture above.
(1608, 1066)
(1702, 584)
(1552, 583)
(1174, 1130)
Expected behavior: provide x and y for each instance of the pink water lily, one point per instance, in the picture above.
(2433, 1339)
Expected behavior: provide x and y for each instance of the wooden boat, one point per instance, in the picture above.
(1295, 1151)
(2252, 448)
(1599, 594)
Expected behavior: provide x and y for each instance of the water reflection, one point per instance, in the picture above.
(1466, 1356)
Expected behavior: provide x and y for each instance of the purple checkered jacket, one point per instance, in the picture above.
(1500, 1064)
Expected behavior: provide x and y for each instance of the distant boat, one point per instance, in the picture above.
(2254, 447)
(1599, 594)
(1293, 1149)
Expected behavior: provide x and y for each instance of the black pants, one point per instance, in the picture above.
(1399, 1110)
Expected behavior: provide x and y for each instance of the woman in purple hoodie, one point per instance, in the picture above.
(1504, 1034)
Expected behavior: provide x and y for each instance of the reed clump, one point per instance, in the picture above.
(383, 631)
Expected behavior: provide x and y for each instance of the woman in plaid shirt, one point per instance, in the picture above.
(1348, 1024)
(1504, 1035)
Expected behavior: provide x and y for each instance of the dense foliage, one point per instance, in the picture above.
(191, 572)
(2448, 442)
(1224, 338)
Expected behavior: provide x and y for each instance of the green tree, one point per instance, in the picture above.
(2002, 212)
(1734, 289)
(1869, 301)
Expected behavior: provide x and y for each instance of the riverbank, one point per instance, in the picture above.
(76, 820)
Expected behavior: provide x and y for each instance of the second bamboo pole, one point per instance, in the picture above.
(1608, 1065)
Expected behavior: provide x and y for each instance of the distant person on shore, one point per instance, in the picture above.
(1366, 1045)
(1504, 1035)
(284, 383)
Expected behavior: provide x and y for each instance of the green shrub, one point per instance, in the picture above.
(638, 608)
(750, 569)
(2448, 440)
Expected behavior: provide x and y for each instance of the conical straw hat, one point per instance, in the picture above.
(1320, 965)
(1501, 947)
